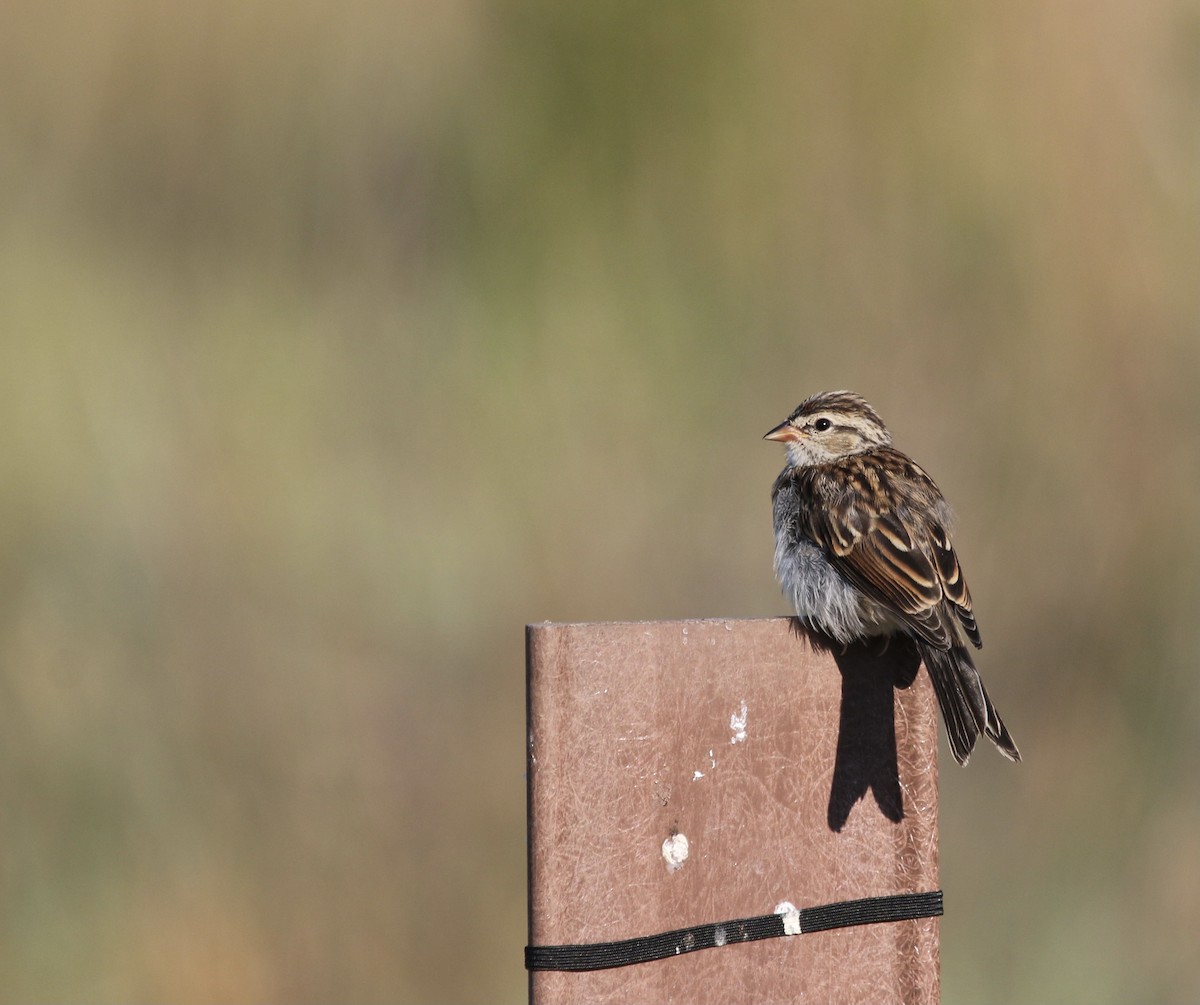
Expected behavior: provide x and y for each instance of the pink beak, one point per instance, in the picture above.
(783, 433)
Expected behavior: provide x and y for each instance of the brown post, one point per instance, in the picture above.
(796, 773)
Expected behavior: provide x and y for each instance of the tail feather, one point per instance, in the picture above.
(966, 707)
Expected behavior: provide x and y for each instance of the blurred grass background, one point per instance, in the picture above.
(342, 340)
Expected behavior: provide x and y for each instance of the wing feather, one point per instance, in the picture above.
(901, 558)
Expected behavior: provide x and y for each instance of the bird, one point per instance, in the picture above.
(863, 549)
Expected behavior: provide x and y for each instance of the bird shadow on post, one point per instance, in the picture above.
(866, 744)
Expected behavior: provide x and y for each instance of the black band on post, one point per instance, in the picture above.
(646, 948)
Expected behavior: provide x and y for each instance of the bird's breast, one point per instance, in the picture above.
(821, 597)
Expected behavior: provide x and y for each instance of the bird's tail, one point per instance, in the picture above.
(966, 707)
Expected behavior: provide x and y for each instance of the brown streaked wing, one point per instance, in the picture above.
(878, 554)
(902, 588)
(904, 574)
(954, 584)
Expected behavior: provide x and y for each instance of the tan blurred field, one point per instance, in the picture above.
(341, 341)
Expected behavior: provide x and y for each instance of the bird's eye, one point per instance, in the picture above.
(821, 425)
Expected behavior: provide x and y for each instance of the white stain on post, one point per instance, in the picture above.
(675, 852)
(791, 917)
(737, 723)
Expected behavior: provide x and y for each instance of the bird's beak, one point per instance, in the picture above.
(784, 433)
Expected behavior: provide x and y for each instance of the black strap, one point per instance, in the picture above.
(604, 955)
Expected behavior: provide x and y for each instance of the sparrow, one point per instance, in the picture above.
(862, 549)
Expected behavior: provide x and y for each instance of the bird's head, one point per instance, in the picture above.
(829, 426)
